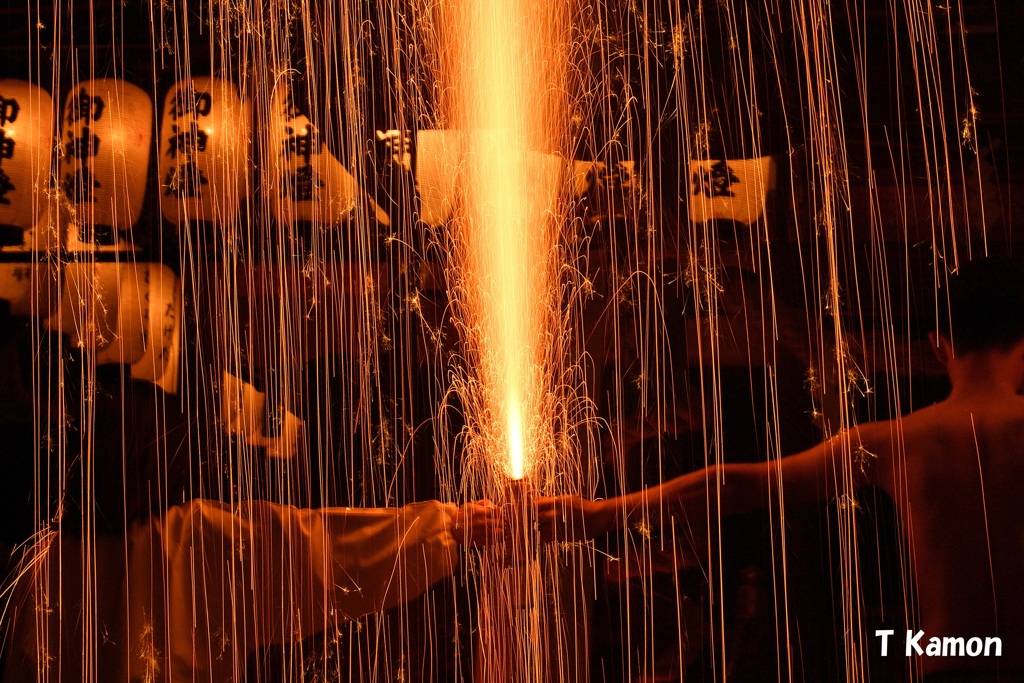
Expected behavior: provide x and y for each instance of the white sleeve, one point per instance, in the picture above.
(187, 596)
(257, 573)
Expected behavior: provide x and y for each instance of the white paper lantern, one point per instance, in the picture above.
(26, 145)
(439, 159)
(125, 314)
(733, 189)
(304, 181)
(30, 289)
(161, 289)
(204, 152)
(106, 134)
(89, 310)
(444, 167)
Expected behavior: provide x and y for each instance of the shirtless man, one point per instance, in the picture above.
(954, 470)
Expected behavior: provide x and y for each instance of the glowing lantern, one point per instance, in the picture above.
(204, 152)
(438, 165)
(45, 236)
(26, 143)
(733, 189)
(612, 188)
(106, 135)
(29, 288)
(126, 314)
(305, 182)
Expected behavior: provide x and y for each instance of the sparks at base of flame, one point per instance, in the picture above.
(517, 459)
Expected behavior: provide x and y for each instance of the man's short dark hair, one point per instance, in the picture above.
(986, 304)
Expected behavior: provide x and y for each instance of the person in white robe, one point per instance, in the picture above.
(187, 595)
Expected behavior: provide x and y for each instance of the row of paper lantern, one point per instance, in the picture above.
(105, 142)
(104, 147)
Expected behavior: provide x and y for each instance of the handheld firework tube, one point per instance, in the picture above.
(511, 596)
(520, 513)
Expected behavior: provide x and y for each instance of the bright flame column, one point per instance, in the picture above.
(505, 70)
(510, 192)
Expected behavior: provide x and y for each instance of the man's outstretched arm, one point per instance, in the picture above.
(724, 489)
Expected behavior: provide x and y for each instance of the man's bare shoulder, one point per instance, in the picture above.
(947, 416)
(979, 414)
(943, 430)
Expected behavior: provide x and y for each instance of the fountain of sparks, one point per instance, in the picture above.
(508, 94)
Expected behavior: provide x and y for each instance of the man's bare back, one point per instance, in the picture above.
(953, 470)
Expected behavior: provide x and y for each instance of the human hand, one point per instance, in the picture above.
(478, 523)
(571, 518)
